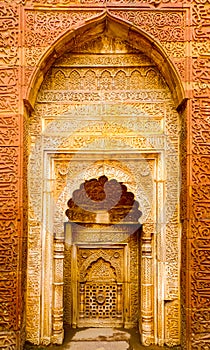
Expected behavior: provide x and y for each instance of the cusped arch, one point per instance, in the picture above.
(100, 270)
(90, 80)
(93, 258)
(59, 80)
(133, 35)
(120, 80)
(102, 195)
(74, 80)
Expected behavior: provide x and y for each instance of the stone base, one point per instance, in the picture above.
(99, 339)
(99, 345)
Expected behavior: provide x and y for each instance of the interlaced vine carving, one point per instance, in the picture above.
(165, 21)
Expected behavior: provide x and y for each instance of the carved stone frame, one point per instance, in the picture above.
(116, 236)
(74, 292)
(152, 305)
(40, 322)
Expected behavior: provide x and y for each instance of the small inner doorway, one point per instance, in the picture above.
(102, 289)
(100, 286)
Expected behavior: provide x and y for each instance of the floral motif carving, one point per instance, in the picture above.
(163, 19)
(43, 27)
(163, 26)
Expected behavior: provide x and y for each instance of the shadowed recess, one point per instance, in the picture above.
(103, 201)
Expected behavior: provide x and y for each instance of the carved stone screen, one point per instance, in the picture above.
(104, 109)
(38, 155)
(100, 287)
(102, 275)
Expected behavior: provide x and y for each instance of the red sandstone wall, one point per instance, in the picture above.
(27, 30)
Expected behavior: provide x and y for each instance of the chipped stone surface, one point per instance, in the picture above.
(100, 339)
(96, 334)
(98, 345)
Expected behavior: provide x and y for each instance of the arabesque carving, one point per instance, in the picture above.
(182, 28)
(42, 27)
(137, 122)
(162, 25)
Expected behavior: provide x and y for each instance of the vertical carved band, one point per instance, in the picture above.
(57, 312)
(147, 286)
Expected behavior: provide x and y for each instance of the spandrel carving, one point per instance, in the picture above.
(42, 27)
(162, 26)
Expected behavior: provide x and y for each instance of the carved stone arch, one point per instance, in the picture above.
(90, 79)
(94, 257)
(103, 195)
(115, 210)
(59, 147)
(106, 80)
(96, 261)
(131, 33)
(136, 79)
(153, 78)
(74, 80)
(121, 80)
(114, 170)
(59, 80)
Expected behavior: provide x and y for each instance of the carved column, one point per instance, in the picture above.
(82, 299)
(119, 300)
(147, 290)
(57, 312)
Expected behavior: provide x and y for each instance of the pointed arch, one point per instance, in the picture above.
(135, 36)
(136, 80)
(138, 40)
(90, 80)
(100, 270)
(59, 80)
(120, 80)
(74, 80)
(106, 80)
